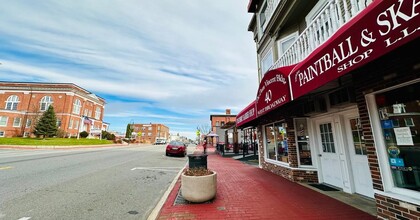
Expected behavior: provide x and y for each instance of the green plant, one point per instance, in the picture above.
(47, 124)
(84, 134)
(197, 171)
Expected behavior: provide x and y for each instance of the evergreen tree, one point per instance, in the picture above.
(47, 124)
(128, 131)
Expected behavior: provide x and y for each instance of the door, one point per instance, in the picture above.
(358, 158)
(329, 157)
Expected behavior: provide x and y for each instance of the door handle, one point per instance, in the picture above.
(319, 155)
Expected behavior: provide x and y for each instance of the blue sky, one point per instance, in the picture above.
(158, 61)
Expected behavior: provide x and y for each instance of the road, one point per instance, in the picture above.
(90, 183)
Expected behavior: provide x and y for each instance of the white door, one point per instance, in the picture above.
(359, 162)
(329, 157)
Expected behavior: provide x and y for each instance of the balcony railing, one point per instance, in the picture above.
(332, 17)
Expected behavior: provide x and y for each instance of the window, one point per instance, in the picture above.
(16, 122)
(262, 15)
(358, 140)
(76, 125)
(217, 123)
(327, 139)
(12, 102)
(276, 142)
(267, 62)
(85, 112)
(150, 134)
(399, 115)
(90, 113)
(1, 133)
(28, 123)
(3, 120)
(46, 101)
(150, 128)
(302, 139)
(77, 105)
(58, 123)
(71, 123)
(26, 134)
(222, 123)
(97, 112)
(284, 43)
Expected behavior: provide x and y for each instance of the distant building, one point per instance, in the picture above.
(23, 103)
(151, 133)
(220, 120)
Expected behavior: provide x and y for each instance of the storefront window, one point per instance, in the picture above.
(399, 112)
(276, 142)
(304, 151)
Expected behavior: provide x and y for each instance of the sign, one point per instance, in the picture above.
(246, 115)
(380, 28)
(273, 90)
(403, 136)
(398, 162)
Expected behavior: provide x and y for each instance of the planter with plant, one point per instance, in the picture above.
(198, 184)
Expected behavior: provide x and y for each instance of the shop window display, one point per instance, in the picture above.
(302, 138)
(399, 112)
(276, 142)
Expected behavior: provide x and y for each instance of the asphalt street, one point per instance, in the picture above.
(96, 183)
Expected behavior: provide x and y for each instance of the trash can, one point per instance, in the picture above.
(197, 160)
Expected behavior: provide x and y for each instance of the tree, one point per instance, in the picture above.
(204, 128)
(128, 131)
(47, 124)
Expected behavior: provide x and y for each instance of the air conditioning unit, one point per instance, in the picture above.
(342, 97)
(315, 106)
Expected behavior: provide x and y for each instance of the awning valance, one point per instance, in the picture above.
(246, 115)
(273, 91)
(380, 28)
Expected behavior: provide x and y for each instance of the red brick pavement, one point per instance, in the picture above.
(248, 192)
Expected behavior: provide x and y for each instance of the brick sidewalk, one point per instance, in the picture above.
(248, 192)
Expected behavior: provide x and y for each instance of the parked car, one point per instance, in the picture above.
(176, 148)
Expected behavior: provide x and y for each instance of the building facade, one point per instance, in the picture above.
(23, 103)
(151, 133)
(338, 100)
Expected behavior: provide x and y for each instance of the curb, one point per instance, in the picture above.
(155, 212)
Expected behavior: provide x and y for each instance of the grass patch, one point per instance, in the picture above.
(52, 141)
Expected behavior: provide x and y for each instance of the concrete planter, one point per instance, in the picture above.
(199, 188)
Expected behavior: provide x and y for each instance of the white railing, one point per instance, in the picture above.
(332, 17)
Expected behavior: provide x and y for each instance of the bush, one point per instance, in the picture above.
(60, 133)
(84, 134)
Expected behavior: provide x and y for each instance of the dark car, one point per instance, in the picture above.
(177, 148)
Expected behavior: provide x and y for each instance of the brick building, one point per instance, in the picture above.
(23, 103)
(338, 101)
(150, 133)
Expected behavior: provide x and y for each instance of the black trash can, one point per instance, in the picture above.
(197, 160)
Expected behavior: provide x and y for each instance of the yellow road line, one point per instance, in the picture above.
(5, 168)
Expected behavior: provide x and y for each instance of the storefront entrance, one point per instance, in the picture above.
(342, 152)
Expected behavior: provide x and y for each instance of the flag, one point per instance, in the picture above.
(87, 121)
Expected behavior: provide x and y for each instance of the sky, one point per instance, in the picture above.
(153, 61)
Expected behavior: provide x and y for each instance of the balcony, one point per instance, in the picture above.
(334, 15)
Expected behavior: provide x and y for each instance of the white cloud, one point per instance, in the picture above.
(180, 57)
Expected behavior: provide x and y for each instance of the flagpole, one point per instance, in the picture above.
(80, 124)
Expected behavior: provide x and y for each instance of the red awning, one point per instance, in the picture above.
(273, 91)
(246, 115)
(380, 28)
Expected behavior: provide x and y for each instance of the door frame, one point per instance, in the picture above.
(337, 117)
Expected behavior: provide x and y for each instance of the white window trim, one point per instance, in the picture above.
(26, 124)
(13, 101)
(47, 103)
(284, 39)
(276, 162)
(315, 11)
(7, 120)
(98, 112)
(388, 184)
(20, 122)
(77, 105)
(269, 52)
